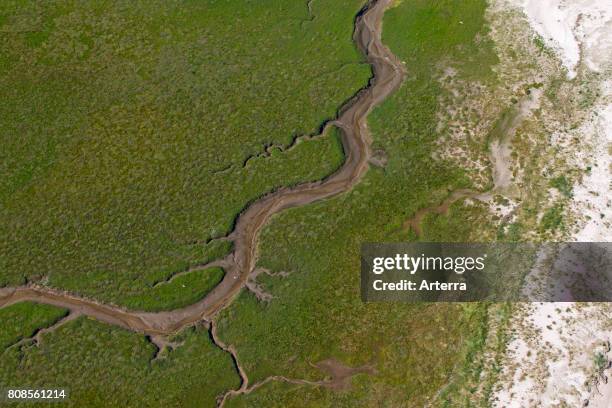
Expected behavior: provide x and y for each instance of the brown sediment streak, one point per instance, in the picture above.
(415, 221)
(388, 74)
(339, 377)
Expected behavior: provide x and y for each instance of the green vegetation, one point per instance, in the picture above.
(472, 382)
(539, 42)
(563, 185)
(316, 313)
(510, 232)
(457, 224)
(181, 291)
(23, 320)
(155, 146)
(552, 218)
(600, 362)
(216, 249)
(469, 370)
(125, 126)
(105, 366)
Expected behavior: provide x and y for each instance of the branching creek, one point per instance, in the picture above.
(388, 74)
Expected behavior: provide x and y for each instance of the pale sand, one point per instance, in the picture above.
(550, 357)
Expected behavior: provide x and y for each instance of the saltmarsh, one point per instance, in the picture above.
(105, 366)
(22, 320)
(316, 312)
(125, 126)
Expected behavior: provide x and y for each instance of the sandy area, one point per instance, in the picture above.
(551, 357)
(593, 198)
(572, 28)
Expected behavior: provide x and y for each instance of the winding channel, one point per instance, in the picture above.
(388, 74)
